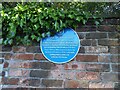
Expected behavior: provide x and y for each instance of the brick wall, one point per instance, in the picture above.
(96, 65)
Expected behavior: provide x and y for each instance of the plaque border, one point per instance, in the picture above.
(65, 61)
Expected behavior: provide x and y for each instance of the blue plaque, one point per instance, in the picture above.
(62, 47)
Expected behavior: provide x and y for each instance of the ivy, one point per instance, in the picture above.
(24, 23)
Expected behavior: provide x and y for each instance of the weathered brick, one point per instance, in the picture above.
(111, 77)
(96, 35)
(110, 21)
(108, 42)
(114, 50)
(16, 64)
(98, 67)
(19, 49)
(8, 56)
(6, 64)
(81, 35)
(74, 66)
(52, 83)
(18, 73)
(101, 86)
(87, 58)
(56, 74)
(116, 67)
(88, 42)
(104, 58)
(23, 56)
(87, 76)
(115, 58)
(117, 86)
(10, 81)
(113, 35)
(107, 28)
(69, 75)
(76, 84)
(86, 28)
(71, 84)
(6, 48)
(3, 73)
(81, 50)
(39, 73)
(39, 57)
(30, 82)
(43, 65)
(33, 49)
(1, 61)
(1, 55)
(96, 49)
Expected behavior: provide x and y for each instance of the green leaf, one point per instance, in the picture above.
(97, 23)
(10, 41)
(79, 18)
(84, 21)
(33, 37)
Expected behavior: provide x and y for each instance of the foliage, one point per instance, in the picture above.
(26, 22)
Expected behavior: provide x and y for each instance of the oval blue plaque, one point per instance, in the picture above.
(62, 47)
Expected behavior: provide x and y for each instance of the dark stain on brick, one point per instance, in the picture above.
(88, 42)
(6, 48)
(117, 86)
(33, 49)
(31, 82)
(81, 50)
(1, 61)
(39, 73)
(10, 81)
(96, 35)
(81, 35)
(108, 42)
(43, 65)
(52, 83)
(116, 67)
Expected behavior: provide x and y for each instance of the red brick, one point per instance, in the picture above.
(11, 81)
(71, 84)
(72, 66)
(87, 76)
(87, 58)
(39, 57)
(23, 56)
(6, 64)
(19, 49)
(76, 84)
(92, 76)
